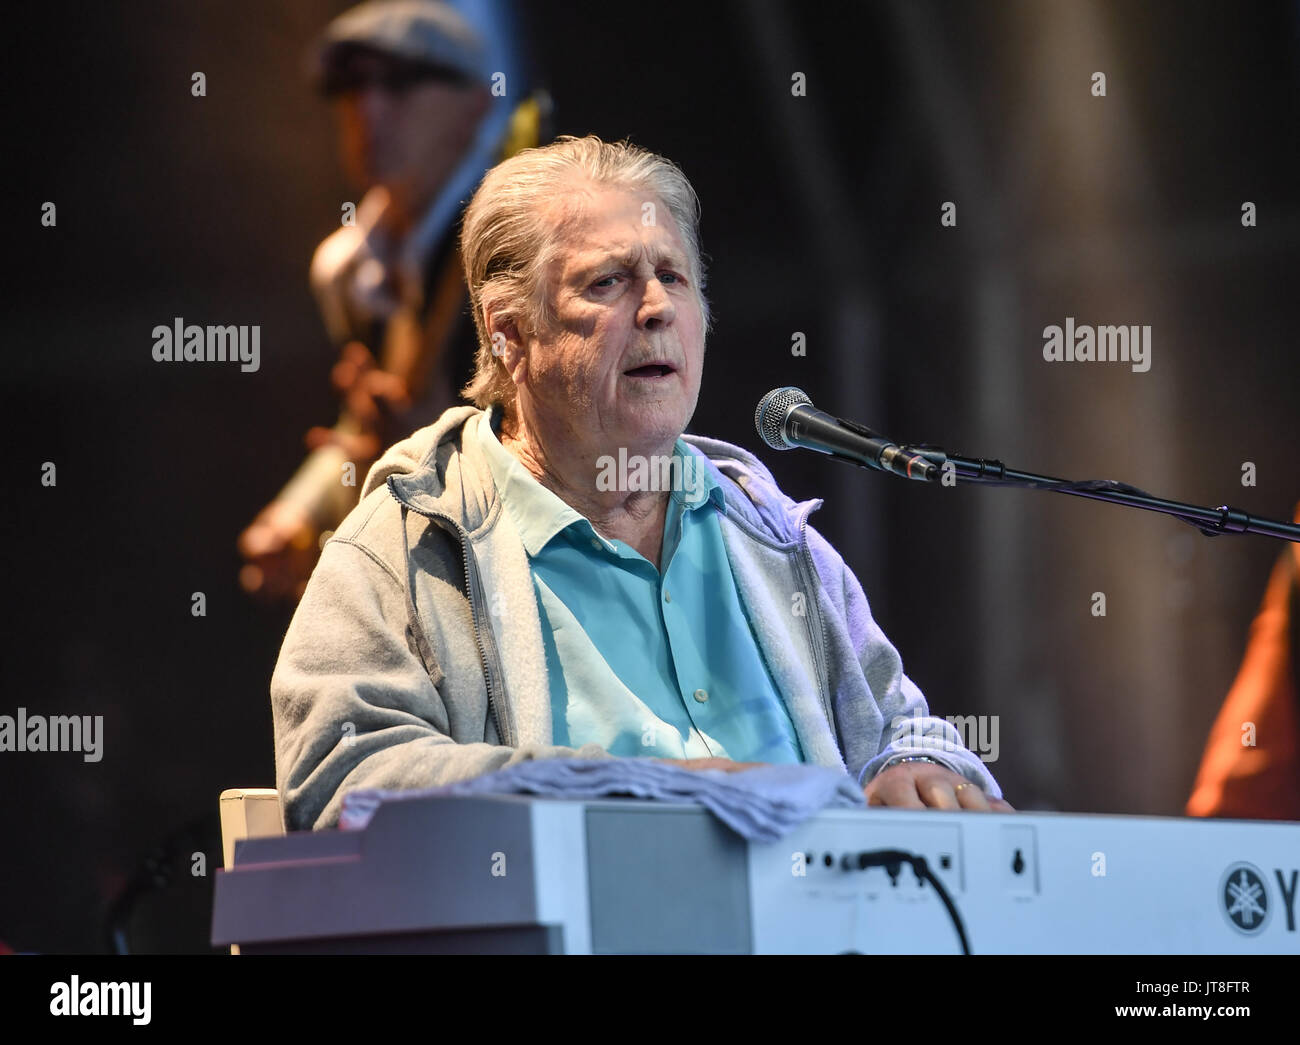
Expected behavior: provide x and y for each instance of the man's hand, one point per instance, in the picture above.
(918, 785)
(280, 548)
(376, 401)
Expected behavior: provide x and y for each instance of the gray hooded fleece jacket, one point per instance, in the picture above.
(415, 658)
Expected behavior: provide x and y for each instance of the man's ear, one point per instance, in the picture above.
(508, 345)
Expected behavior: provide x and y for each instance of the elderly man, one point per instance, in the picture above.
(496, 598)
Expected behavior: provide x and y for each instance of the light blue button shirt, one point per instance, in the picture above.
(641, 662)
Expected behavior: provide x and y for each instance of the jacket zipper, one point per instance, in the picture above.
(810, 574)
(476, 604)
(473, 594)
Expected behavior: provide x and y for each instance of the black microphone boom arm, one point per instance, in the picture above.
(1212, 522)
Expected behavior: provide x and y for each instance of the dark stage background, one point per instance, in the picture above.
(821, 215)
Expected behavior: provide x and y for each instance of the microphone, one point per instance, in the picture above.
(786, 418)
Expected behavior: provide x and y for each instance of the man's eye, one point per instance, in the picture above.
(607, 281)
(665, 277)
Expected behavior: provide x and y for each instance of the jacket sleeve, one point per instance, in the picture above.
(908, 727)
(354, 706)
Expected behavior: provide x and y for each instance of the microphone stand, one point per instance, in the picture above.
(1210, 521)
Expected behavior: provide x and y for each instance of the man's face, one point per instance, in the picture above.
(408, 135)
(621, 365)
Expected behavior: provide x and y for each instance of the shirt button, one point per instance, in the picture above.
(667, 597)
(595, 543)
(701, 695)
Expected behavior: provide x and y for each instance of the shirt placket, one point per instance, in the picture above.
(694, 695)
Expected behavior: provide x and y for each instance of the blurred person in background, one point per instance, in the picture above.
(424, 105)
(1251, 765)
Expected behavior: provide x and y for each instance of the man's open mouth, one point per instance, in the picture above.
(650, 370)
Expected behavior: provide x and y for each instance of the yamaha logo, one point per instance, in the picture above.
(1244, 898)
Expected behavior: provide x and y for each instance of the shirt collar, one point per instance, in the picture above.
(539, 514)
(698, 487)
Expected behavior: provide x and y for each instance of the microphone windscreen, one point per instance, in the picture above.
(772, 410)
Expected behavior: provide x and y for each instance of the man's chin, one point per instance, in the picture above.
(653, 428)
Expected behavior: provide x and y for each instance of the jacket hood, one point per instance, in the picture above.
(436, 470)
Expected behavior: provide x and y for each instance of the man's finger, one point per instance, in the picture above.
(972, 797)
(343, 375)
(251, 578)
(318, 436)
(357, 355)
(938, 794)
(895, 789)
(389, 388)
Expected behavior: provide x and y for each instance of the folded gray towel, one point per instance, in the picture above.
(761, 805)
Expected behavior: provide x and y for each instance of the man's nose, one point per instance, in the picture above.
(656, 305)
(372, 103)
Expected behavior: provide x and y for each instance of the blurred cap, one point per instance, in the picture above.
(422, 40)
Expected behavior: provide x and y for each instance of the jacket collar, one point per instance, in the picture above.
(751, 491)
(441, 470)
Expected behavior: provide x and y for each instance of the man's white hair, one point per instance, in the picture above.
(507, 242)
